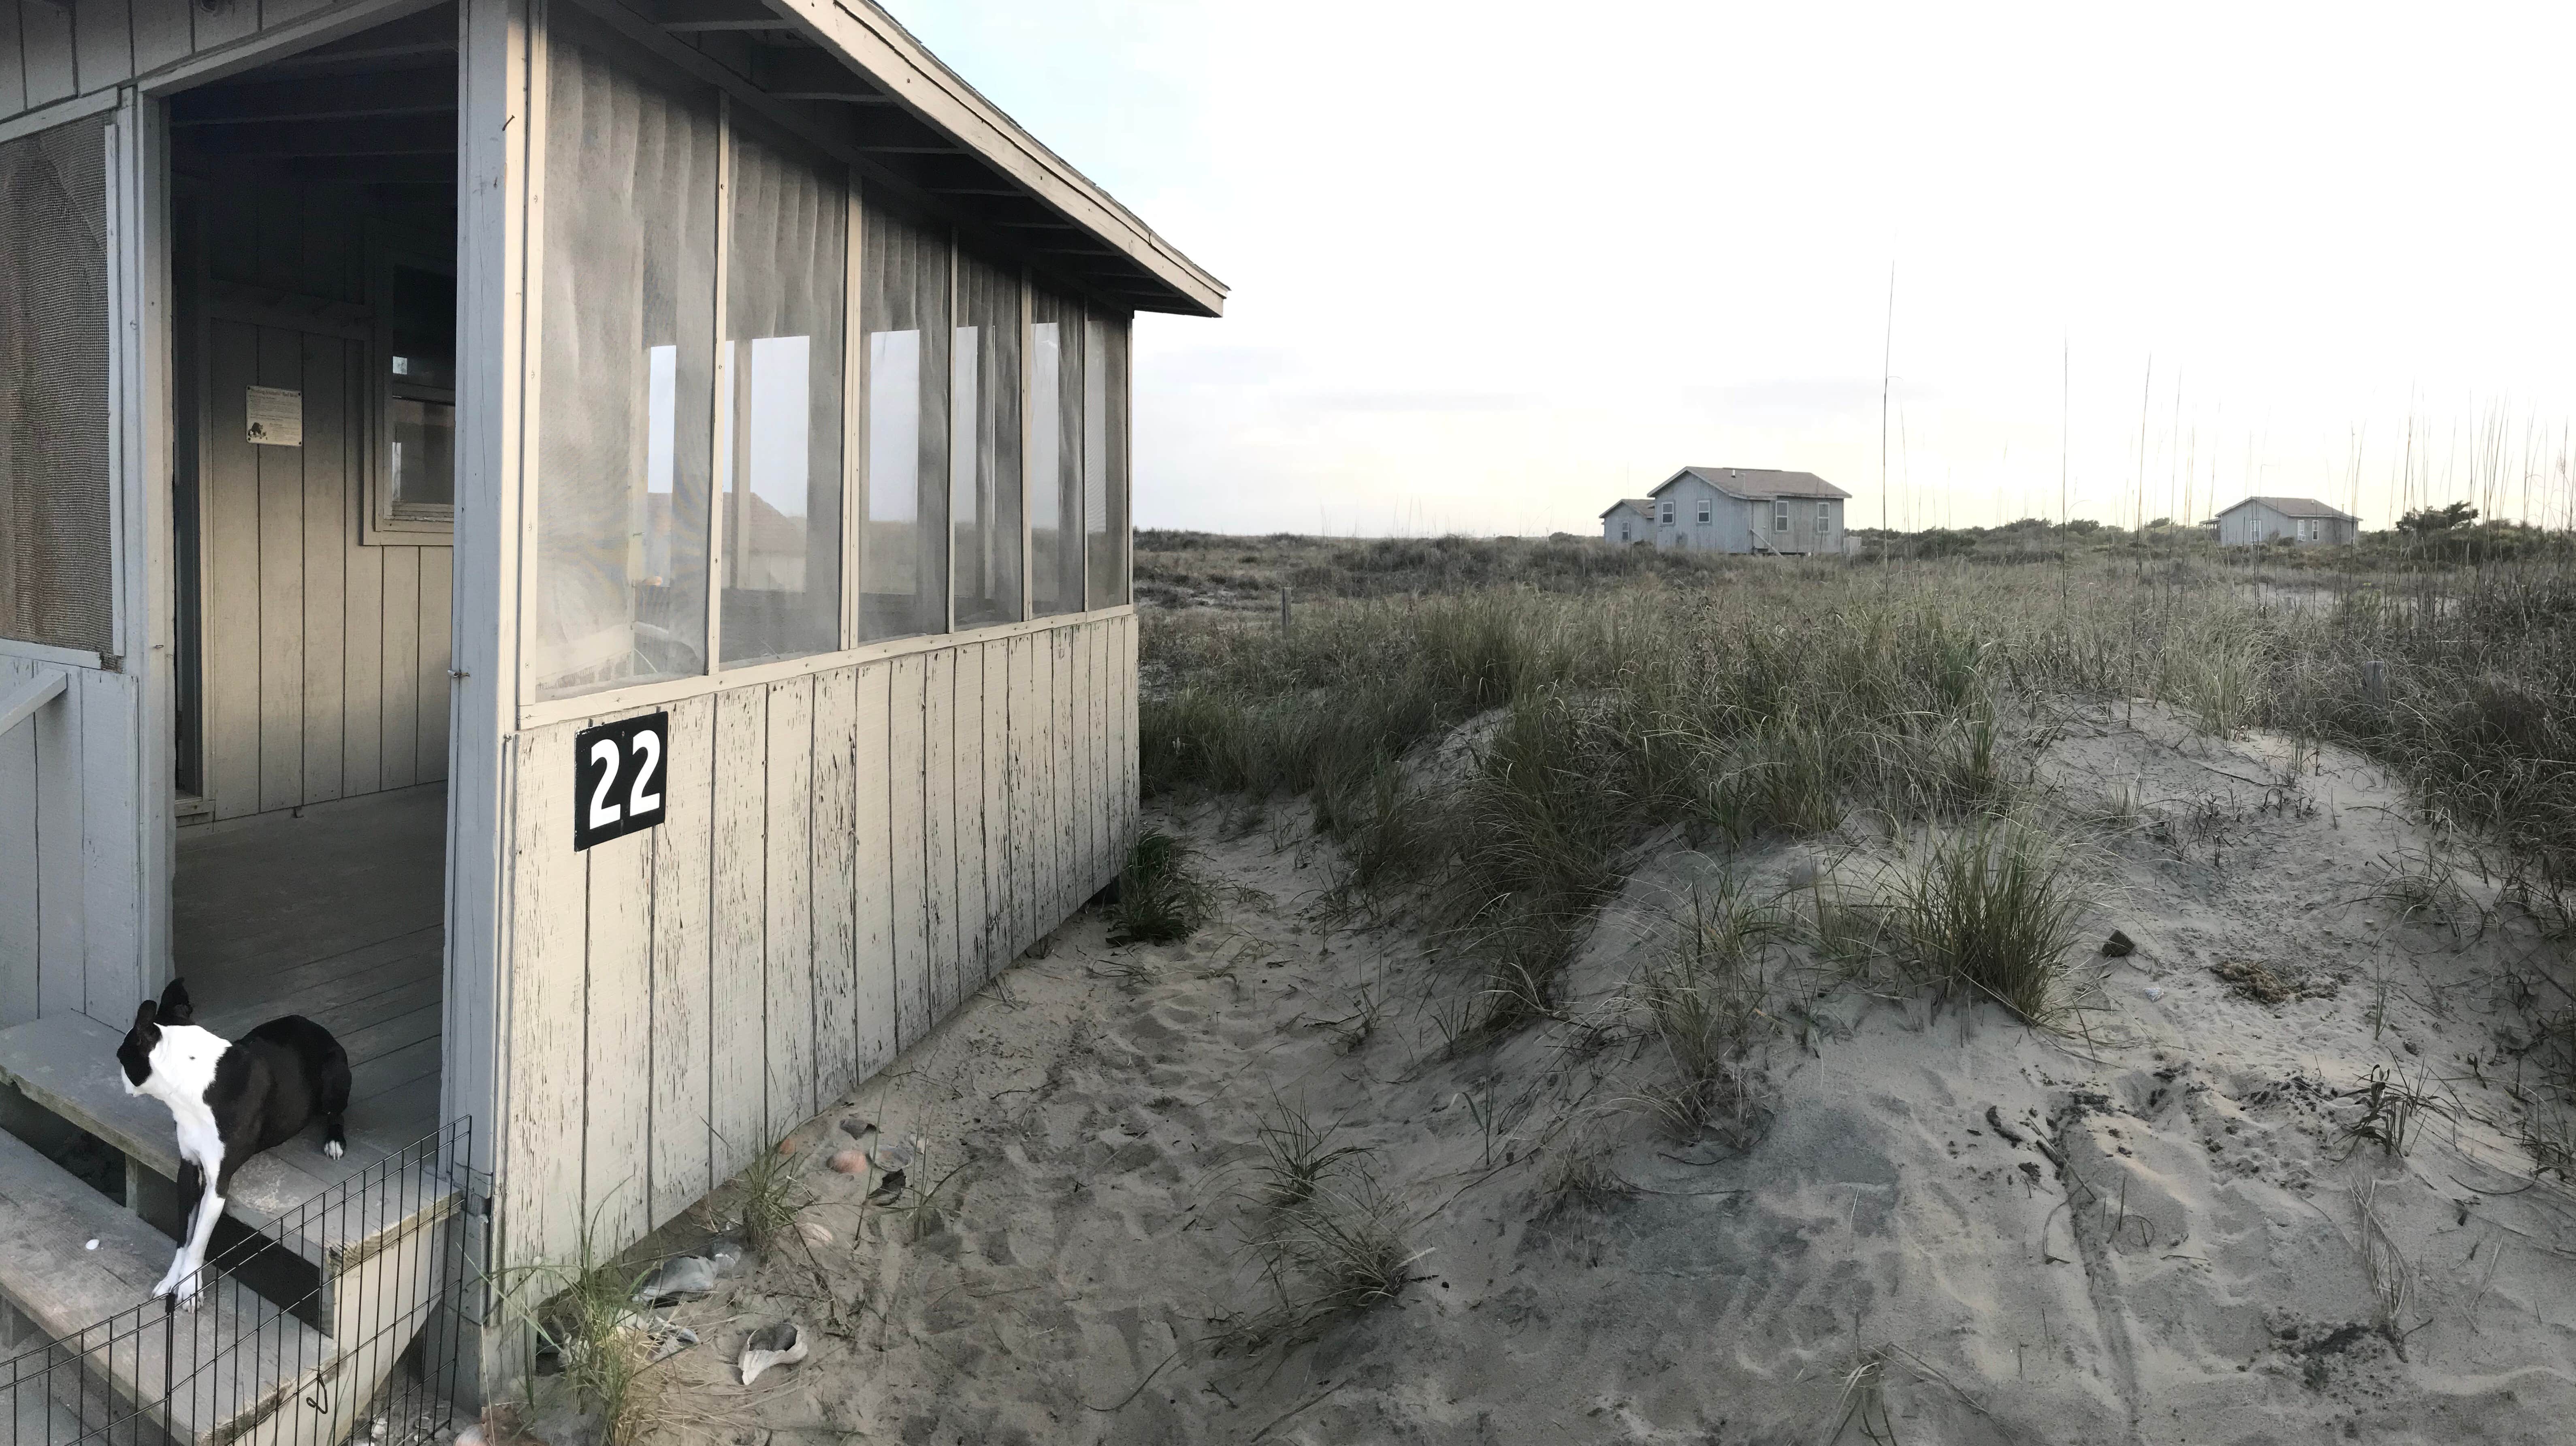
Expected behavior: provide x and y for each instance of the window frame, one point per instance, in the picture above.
(1664, 511)
(384, 521)
(1704, 511)
(1824, 518)
(1780, 515)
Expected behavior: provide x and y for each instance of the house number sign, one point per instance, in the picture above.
(619, 778)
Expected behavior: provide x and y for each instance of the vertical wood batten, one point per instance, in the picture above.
(682, 1005)
(787, 1039)
(549, 921)
(736, 1101)
(104, 851)
(326, 524)
(939, 829)
(616, 1145)
(972, 861)
(993, 719)
(281, 588)
(906, 888)
(836, 1043)
(872, 992)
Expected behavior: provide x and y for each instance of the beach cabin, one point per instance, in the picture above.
(582, 544)
(2300, 521)
(1744, 509)
(1630, 519)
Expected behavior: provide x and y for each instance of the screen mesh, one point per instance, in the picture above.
(627, 390)
(785, 278)
(56, 571)
(984, 457)
(1055, 455)
(903, 536)
(1105, 458)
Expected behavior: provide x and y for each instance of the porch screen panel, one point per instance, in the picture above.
(786, 272)
(56, 572)
(984, 450)
(1055, 455)
(1104, 470)
(903, 534)
(625, 421)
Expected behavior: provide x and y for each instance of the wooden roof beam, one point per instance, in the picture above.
(802, 72)
(686, 17)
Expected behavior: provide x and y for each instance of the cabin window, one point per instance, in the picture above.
(1780, 516)
(1055, 455)
(984, 444)
(1703, 512)
(55, 579)
(1665, 512)
(1824, 518)
(1623, 532)
(420, 336)
(779, 468)
(903, 538)
(1104, 457)
(626, 387)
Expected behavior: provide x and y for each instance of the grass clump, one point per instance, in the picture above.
(769, 1195)
(1331, 1241)
(1162, 897)
(1991, 909)
(1706, 1003)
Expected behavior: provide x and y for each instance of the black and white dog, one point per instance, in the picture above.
(231, 1099)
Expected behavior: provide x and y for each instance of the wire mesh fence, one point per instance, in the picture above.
(345, 1318)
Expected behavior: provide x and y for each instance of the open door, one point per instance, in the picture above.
(84, 662)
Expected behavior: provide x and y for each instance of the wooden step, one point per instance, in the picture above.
(67, 1064)
(169, 1369)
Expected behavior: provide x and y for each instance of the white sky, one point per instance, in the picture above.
(1497, 264)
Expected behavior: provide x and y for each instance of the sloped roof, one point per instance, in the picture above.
(1645, 506)
(2295, 507)
(1758, 484)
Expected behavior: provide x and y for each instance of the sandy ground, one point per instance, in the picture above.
(1955, 1230)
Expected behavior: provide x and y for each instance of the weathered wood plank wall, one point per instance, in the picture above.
(51, 52)
(844, 860)
(69, 860)
(325, 658)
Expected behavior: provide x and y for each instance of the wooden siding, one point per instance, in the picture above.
(70, 861)
(51, 52)
(325, 660)
(847, 856)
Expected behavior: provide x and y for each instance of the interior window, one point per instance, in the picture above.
(421, 421)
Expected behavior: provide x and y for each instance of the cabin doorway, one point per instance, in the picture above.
(313, 205)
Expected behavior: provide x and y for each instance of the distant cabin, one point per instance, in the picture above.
(1734, 509)
(1630, 519)
(2304, 521)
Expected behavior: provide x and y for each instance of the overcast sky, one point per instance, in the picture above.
(1495, 265)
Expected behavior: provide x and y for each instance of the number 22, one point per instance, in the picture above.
(648, 770)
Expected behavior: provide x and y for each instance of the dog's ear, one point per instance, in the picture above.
(175, 1008)
(143, 1017)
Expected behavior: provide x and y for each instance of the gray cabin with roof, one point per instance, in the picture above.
(2300, 521)
(1736, 509)
(1630, 519)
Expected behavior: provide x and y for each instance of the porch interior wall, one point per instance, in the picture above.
(325, 660)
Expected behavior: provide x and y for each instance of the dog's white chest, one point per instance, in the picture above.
(183, 1067)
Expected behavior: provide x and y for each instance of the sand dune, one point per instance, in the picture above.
(2157, 1226)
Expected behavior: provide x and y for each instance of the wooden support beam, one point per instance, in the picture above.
(21, 705)
(804, 72)
(426, 91)
(686, 17)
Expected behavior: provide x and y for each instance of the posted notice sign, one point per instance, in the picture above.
(276, 417)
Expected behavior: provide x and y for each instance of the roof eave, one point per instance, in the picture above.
(870, 42)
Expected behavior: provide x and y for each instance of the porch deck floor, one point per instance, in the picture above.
(337, 916)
